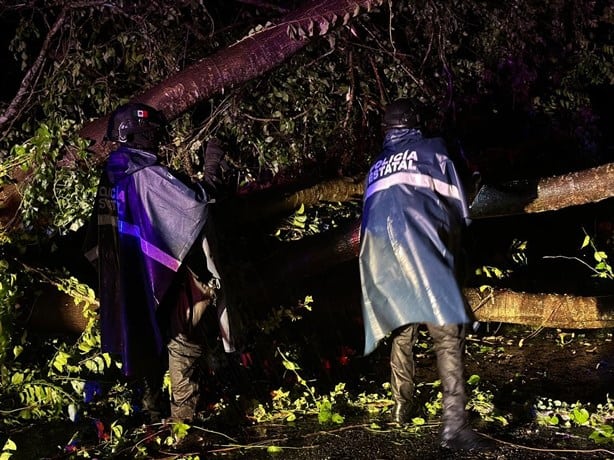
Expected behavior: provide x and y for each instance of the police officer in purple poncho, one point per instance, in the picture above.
(414, 212)
(151, 241)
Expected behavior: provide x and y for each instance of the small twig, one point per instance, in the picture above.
(572, 258)
(537, 449)
(350, 93)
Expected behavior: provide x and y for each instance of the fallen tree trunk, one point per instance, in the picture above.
(249, 58)
(262, 206)
(57, 312)
(546, 310)
(547, 194)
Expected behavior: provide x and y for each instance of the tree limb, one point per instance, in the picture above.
(249, 58)
(546, 194)
(545, 310)
(25, 89)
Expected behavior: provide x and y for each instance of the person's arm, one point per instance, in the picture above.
(214, 167)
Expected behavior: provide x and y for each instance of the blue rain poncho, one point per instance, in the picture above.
(414, 211)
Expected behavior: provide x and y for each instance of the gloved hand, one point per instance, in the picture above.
(214, 166)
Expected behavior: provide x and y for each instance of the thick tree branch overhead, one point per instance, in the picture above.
(249, 58)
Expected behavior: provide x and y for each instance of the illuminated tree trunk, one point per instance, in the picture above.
(546, 194)
(56, 312)
(249, 58)
(546, 310)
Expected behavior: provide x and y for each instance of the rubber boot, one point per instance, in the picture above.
(183, 370)
(153, 402)
(456, 434)
(402, 372)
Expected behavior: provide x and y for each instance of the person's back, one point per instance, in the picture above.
(414, 211)
(148, 228)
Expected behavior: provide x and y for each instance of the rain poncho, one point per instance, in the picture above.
(413, 213)
(144, 223)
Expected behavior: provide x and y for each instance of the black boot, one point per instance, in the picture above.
(153, 402)
(402, 371)
(456, 434)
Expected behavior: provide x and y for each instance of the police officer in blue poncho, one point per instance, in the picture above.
(414, 212)
(151, 241)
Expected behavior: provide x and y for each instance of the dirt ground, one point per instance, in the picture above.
(518, 365)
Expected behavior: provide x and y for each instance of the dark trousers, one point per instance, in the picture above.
(186, 344)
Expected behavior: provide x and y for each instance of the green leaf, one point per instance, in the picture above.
(9, 445)
(580, 416)
(180, 430)
(17, 378)
(117, 429)
(17, 350)
(325, 414)
(274, 449)
(290, 365)
(61, 360)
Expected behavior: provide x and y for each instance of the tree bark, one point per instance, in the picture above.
(264, 206)
(57, 312)
(249, 58)
(545, 310)
(547, 194)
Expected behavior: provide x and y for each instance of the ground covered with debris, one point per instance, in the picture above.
(538, 393)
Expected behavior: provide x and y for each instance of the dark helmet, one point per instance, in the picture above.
(400, 114)
(136, 125)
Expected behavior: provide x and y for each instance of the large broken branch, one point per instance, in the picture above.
(546, 310)
(265, 206)
(249, 58)
(546, 194)
(59, 313)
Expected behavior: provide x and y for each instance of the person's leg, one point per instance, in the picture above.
(154, 406)
(449, 343)
(185, 346)
(402, 371)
